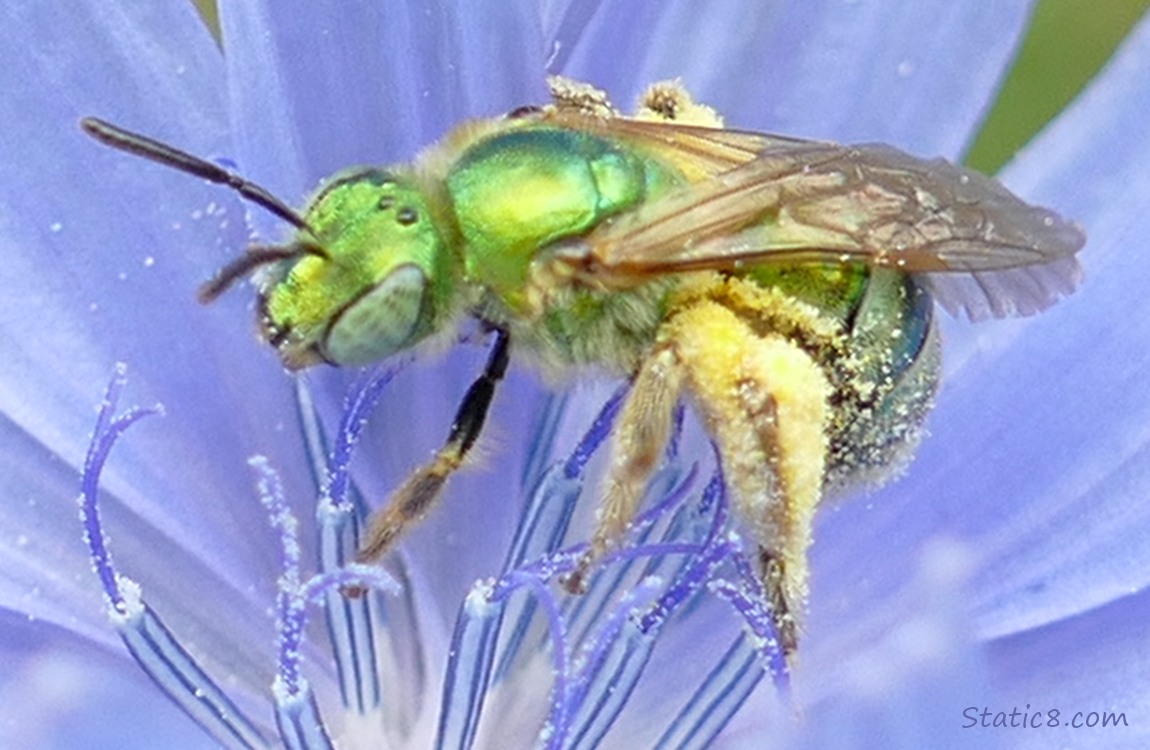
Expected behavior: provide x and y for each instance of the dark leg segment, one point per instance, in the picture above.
(414, 498)
(771, 568)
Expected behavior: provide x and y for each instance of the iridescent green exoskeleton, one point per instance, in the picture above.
(785, 287)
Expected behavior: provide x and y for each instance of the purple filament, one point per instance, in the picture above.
(355, 415)
(108, 430)
(291, 607)
(599, 431)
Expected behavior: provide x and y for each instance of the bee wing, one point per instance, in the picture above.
(697, 151)
(766, 199)
(1014, 291)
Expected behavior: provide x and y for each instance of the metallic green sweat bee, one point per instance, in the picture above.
(784, 285)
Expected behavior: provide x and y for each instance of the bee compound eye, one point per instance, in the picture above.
(383, 320)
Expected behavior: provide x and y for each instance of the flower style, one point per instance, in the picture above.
(1038, 451)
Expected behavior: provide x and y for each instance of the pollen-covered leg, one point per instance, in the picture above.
(411, 502)
(765, 401)
(669, 101)
(644, 427)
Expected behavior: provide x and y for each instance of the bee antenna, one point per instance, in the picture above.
(162, 153)
(248, 262)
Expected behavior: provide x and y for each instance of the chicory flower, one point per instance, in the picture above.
(1035, 464)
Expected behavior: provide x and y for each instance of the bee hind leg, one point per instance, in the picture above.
(765, 402)
(644, 427)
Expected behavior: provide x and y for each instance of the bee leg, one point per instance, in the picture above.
(645, 425)
(765, 402)
(669, 101)
(413, 499)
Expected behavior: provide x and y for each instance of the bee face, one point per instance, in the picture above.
(373, 289)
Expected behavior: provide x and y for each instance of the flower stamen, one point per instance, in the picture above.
(148, 639)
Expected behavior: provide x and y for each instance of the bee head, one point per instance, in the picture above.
(368, 277)
(367, 274)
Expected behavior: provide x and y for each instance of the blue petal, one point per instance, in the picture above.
(380, 89)
(918, 75)
(102, 255)
(313, 92)
(1040, 452)
(184, 504)
(102, 252)
(1089, 663)
(60, 693)
(1074, 393)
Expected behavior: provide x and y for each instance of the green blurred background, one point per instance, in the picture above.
(1068, 42)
